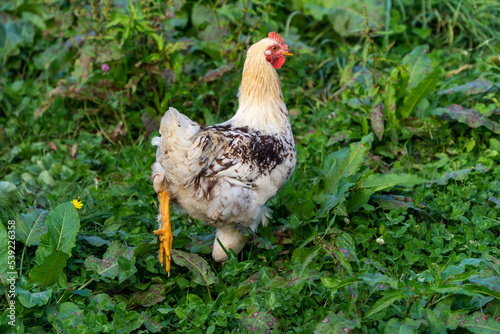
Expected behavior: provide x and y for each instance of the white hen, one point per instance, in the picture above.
(224, 174)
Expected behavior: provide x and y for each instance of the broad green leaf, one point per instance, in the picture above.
(260, 322)
(459, 278)
(64, 316)
(451, 270)
(434, 324)
(483, 302)
(123, 19)
(416, 94)
(31, 299)
(402, 86)
(344, 163)
(90, 317)
(443, 308)
(488, 286)
(470, 117)
(47, 60)
(336, 284)
(421, 112)
(346, 245)
(378, 182)
(492, 262)
(329, 201)
(94, 240)
(379, 281)
(145, 248)
(125, 321)
(351, 294)
(377, 120)
(471, 262)
(48, 272)
(201, 14)
(127, 269)
(35, 19)
(390, 101)
(150, 323)
(31, 228)
(19, 32)
(3, 36)
(153, 295)
(8, 193)
(158, 39)
(109, 267)
(83, 66)
(406, 326)
(344, 251)
(357, 199)
(251, 280)
(339, 167)
(473, 87)
(201, 243)
(495, 200)
(302, 206)
(419, 65)
(456, 271)
(347, 16)
(109, 52)
(103, 302)
(309, 256)
(337, 323)
(476, 322)
(388, 298)
(62, 224)
(46, 178)
(394, 201)
(376, 265)
(304, 256)
(459, 174)
(83, 292)
(297, 278)
(453, 289)
(197, 266)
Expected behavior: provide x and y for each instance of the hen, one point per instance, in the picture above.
(224, 174)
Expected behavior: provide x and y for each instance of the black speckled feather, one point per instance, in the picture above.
(261, 153)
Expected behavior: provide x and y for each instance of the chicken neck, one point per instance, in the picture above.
(261, 104)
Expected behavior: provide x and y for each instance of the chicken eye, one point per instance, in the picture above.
(275, 48)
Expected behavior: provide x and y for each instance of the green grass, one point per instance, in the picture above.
(389, 223)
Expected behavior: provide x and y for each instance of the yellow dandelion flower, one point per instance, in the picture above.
(77, 204)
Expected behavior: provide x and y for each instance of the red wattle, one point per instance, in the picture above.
(278, 62)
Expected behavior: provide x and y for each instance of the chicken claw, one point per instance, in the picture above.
(165, 231)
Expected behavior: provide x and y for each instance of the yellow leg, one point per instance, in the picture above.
(165, 231)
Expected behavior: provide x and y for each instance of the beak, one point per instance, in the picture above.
(287, 53)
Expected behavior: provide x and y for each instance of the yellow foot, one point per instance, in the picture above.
(165, 231)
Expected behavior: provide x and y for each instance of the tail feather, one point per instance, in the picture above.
(178, 128)
(177, 135)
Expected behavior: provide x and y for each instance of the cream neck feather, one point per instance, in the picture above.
(261, 104)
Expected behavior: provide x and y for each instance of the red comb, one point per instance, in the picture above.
(277, 38)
